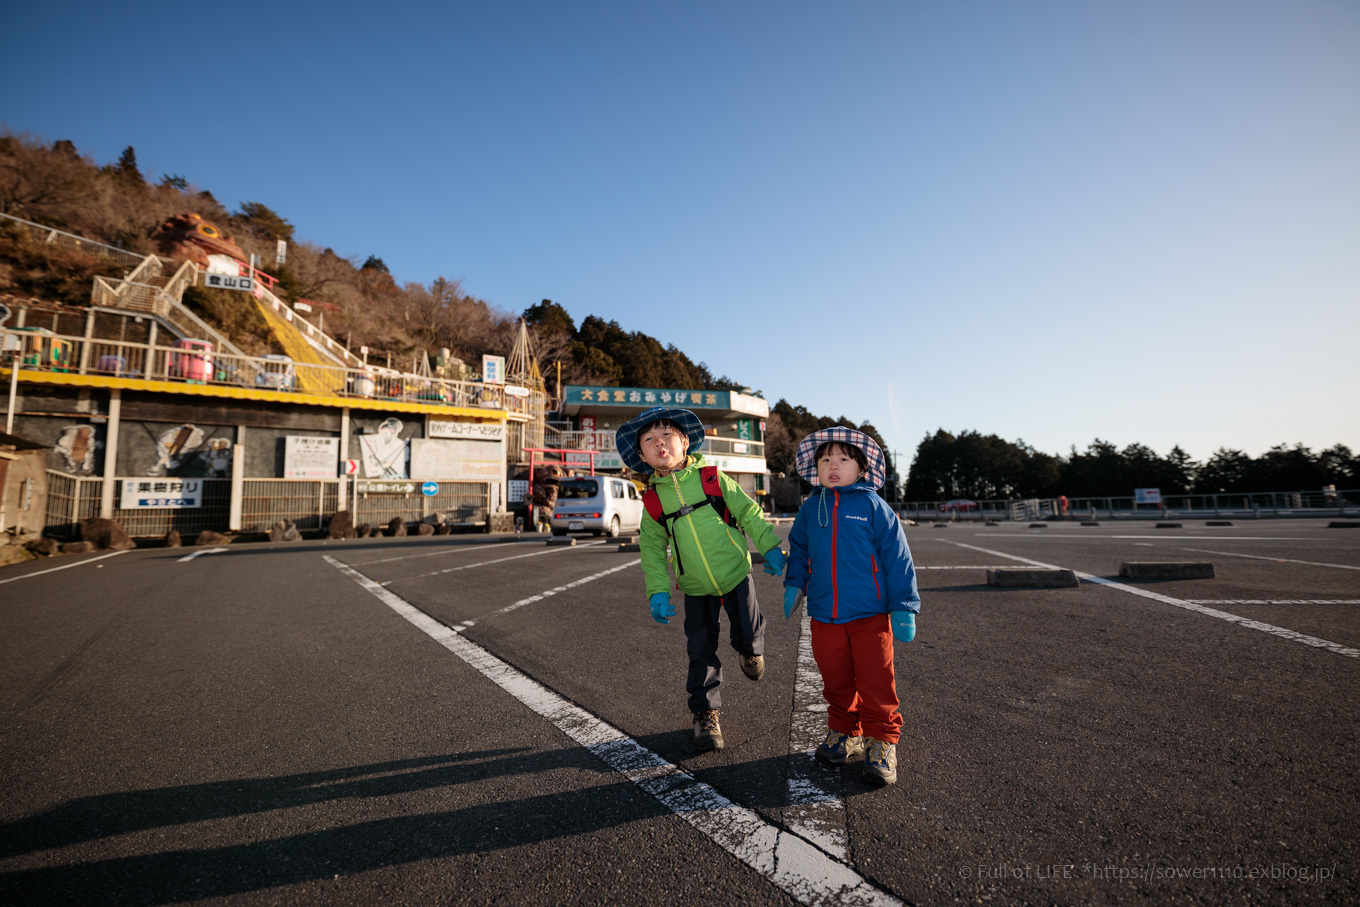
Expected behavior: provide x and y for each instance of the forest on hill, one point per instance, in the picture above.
(363, 304)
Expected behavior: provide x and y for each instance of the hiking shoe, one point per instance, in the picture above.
(838, 747)
(880, 762)
(707, 731)
(753, 666)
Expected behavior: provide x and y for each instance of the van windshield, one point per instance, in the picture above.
(578, 488)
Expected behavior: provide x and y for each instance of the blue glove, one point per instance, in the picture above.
(903, 625)
(791, 594)
(661, 607)
(774, 561)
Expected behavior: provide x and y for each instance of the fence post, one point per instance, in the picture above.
(111, 453)
(238, 483)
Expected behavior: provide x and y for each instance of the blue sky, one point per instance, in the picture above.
(1048, 221)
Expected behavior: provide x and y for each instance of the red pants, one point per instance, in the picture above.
(856, 661)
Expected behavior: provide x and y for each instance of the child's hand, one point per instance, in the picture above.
(903, 625)
(774, 561)
(791, 594)
(661, 607)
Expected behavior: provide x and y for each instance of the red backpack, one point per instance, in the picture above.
(708, 478)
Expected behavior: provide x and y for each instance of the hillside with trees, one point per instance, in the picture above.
(363, 304)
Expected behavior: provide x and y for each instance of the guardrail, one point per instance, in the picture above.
(71, 241)
(264, 502)
(1243, 505)
(605, 441)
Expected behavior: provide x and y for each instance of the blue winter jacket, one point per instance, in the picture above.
(855, 566)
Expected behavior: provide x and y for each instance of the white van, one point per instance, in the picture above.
(601, 505)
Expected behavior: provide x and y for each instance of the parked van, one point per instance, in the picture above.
(601, 505)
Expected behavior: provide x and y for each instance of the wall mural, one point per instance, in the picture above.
(76, 446)
(385, 454)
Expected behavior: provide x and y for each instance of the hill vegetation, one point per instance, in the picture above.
(362, 304)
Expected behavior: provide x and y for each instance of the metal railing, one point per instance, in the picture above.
(71, 241)
(309, 503)
(1344, 502)
(169, 363)
(605, 440)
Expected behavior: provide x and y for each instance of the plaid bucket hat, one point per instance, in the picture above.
(805, 457)
(625, 438)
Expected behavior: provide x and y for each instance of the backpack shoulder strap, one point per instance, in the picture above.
(652, 502)
(713, 491)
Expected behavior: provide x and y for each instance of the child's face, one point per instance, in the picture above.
(663, 447)
(836, 468)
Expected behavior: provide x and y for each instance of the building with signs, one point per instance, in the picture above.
(734, 422)
(141, 412)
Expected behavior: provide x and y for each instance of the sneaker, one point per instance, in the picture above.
(707, 731)
(880, 762)
(838, 747)
(753, 666)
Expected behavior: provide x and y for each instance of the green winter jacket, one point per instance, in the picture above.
(713, 554)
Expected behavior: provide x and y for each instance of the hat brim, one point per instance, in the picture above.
(805, 457)
(625, 438)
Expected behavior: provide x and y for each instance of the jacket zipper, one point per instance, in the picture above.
(873, 562)
(835, 584)
(675, 483)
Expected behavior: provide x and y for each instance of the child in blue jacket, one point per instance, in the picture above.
(849, 556)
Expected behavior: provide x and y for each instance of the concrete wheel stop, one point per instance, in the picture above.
(1032, 578)
(1038, 525)
(1166, 570)
(1090, 523)
(1218, 522)
(1168, 525)
(561, 541)
(1343, 524)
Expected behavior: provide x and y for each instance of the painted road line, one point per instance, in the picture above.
(1163, 537)
(189, 557)
(985, 567)
(815, 798)
(452, 549)
(789, 861)
(1274, 601)
(572, 585)
(1261, 557)
(14, 579)
(1189, 606)
(499, 560)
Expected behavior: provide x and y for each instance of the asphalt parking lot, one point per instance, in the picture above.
(471, 720)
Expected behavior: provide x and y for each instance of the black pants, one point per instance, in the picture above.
(701, 636)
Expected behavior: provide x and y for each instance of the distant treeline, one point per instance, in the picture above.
(980, 467)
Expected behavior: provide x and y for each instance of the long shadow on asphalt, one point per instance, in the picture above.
(190, 874)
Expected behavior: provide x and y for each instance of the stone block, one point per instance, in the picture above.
(341, 525)
(109, 534)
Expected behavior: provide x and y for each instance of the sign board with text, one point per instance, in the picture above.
(228, 282)
(310, 458)
(175, 494)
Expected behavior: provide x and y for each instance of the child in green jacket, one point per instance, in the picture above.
(705, 514)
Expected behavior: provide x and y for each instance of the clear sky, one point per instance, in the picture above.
(1051, 221)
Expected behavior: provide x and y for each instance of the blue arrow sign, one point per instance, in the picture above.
(430, 489)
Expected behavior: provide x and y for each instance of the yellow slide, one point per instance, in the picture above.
(328, 380)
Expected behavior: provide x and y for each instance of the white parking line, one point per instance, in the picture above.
(789, 861)
(1259, 557)
(499, 560)
(572, 585)
(815, 798)
(14, 579)
(1275, 601)
(200, 553)
(1281, 632)
(1106, 538)
(452, 549)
